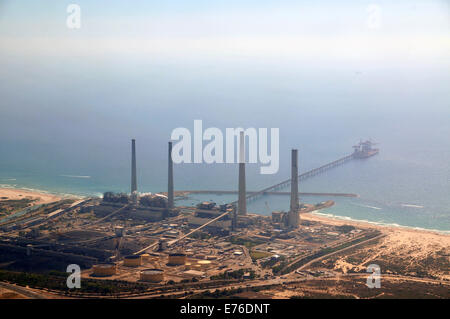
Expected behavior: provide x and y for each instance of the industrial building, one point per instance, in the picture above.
(364, 149)
(206, 211)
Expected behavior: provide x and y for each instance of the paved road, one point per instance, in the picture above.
(21, 290)
(338, 251)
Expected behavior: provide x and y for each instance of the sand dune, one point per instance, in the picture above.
(41, 198)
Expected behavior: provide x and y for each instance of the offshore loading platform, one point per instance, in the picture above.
(364, 149)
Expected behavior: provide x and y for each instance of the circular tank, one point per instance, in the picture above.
(103, 270)
(152, 275)
(177, 259)
(145, 258)
(132, 261)
(204, 263)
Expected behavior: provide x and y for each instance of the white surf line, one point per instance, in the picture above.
(383, 224)
(411, 205)
(75, 176)
(367, 206)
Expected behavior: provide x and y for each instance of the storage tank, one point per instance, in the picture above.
(162, 245)
(104, 270)
(177, 259)
(152, 275)
(118, 231)
(145, 258)
(204, 263)
(132, 261)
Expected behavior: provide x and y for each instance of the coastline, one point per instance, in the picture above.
(40, 197)
(44, 196)
(341, 220)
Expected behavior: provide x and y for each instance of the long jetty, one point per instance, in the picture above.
(231, 192)
(301, 177)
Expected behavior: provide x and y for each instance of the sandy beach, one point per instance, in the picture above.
(361, 224)
(40, 197)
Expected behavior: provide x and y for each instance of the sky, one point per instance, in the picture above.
(322, 32)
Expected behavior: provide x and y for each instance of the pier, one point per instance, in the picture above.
(227, 192)
(316, 171)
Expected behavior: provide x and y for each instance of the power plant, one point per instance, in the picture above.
(162, 243)
(228, 217)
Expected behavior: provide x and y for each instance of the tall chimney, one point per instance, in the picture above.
(133, 167)
(293, 216)
(242, 202)
(170, 179)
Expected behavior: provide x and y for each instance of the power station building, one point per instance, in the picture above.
(148, 207)
(207, 211)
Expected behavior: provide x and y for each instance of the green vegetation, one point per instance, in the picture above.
(259, 254)
(345, 228)
(272, 261)
(237, 274)
(57, 281)
(200, 235)
(247, 242)
(120, 198)
(225, 293)
(185, 281)
(12, 205)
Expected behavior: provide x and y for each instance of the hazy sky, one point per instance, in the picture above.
(405, 31)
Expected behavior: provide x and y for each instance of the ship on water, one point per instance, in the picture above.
(364, 149)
